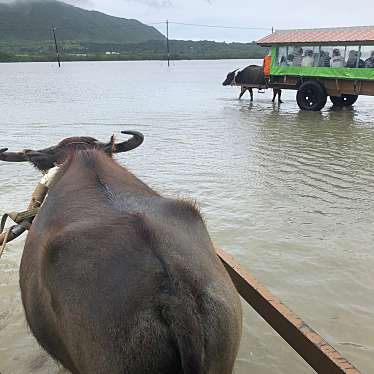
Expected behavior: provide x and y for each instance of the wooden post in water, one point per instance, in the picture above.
(56, 46)
(167, 41)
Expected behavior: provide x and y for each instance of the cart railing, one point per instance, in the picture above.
(321, 356)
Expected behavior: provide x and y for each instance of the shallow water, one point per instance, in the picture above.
(287, 192)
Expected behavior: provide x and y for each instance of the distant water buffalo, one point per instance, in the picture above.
(116, 278)
(252, 75)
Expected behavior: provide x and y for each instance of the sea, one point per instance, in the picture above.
(288, 193)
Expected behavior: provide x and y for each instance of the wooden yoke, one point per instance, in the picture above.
(36, 201)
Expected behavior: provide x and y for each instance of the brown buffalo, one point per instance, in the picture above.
(116, 278)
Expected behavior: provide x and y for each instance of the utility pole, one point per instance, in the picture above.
(57, 53)
(167, 41)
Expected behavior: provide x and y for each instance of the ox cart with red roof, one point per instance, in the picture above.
(334, 62)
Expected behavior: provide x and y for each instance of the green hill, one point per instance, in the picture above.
(26, 35)
(31, 21)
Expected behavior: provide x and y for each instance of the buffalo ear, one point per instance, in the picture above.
(42, 161)
(112, 143)
(110, 147)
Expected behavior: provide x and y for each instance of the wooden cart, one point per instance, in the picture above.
(334, 62)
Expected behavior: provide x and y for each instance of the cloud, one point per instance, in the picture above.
(79, 3)
(159, 4)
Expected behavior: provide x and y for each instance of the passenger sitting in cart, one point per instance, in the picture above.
(297, 56)
(308, 58)
(324, 59)
(337, 60)
(352, 60)
(290, 58)
(283, 61)
(369, 62)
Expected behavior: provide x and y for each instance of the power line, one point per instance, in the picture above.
(213, 26)
(167, 22)
(221, 27)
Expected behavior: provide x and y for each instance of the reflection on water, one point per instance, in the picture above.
(289, 193)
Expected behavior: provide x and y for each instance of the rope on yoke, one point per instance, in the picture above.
(23, 219)
(7, 232)
(27, 216)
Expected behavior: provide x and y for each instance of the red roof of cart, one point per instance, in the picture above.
(338, 35)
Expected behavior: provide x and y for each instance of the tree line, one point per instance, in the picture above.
(149, 50)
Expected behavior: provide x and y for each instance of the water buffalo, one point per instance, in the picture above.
(116, 278)
(252, 75)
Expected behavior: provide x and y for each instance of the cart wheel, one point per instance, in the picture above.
(311, 96)
(344, 100)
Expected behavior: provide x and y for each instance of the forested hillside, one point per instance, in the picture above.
(32, 22)
(26, 35)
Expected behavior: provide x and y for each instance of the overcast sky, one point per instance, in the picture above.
(242, 13)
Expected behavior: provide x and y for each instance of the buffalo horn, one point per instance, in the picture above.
(12, 156)
(134, 142)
